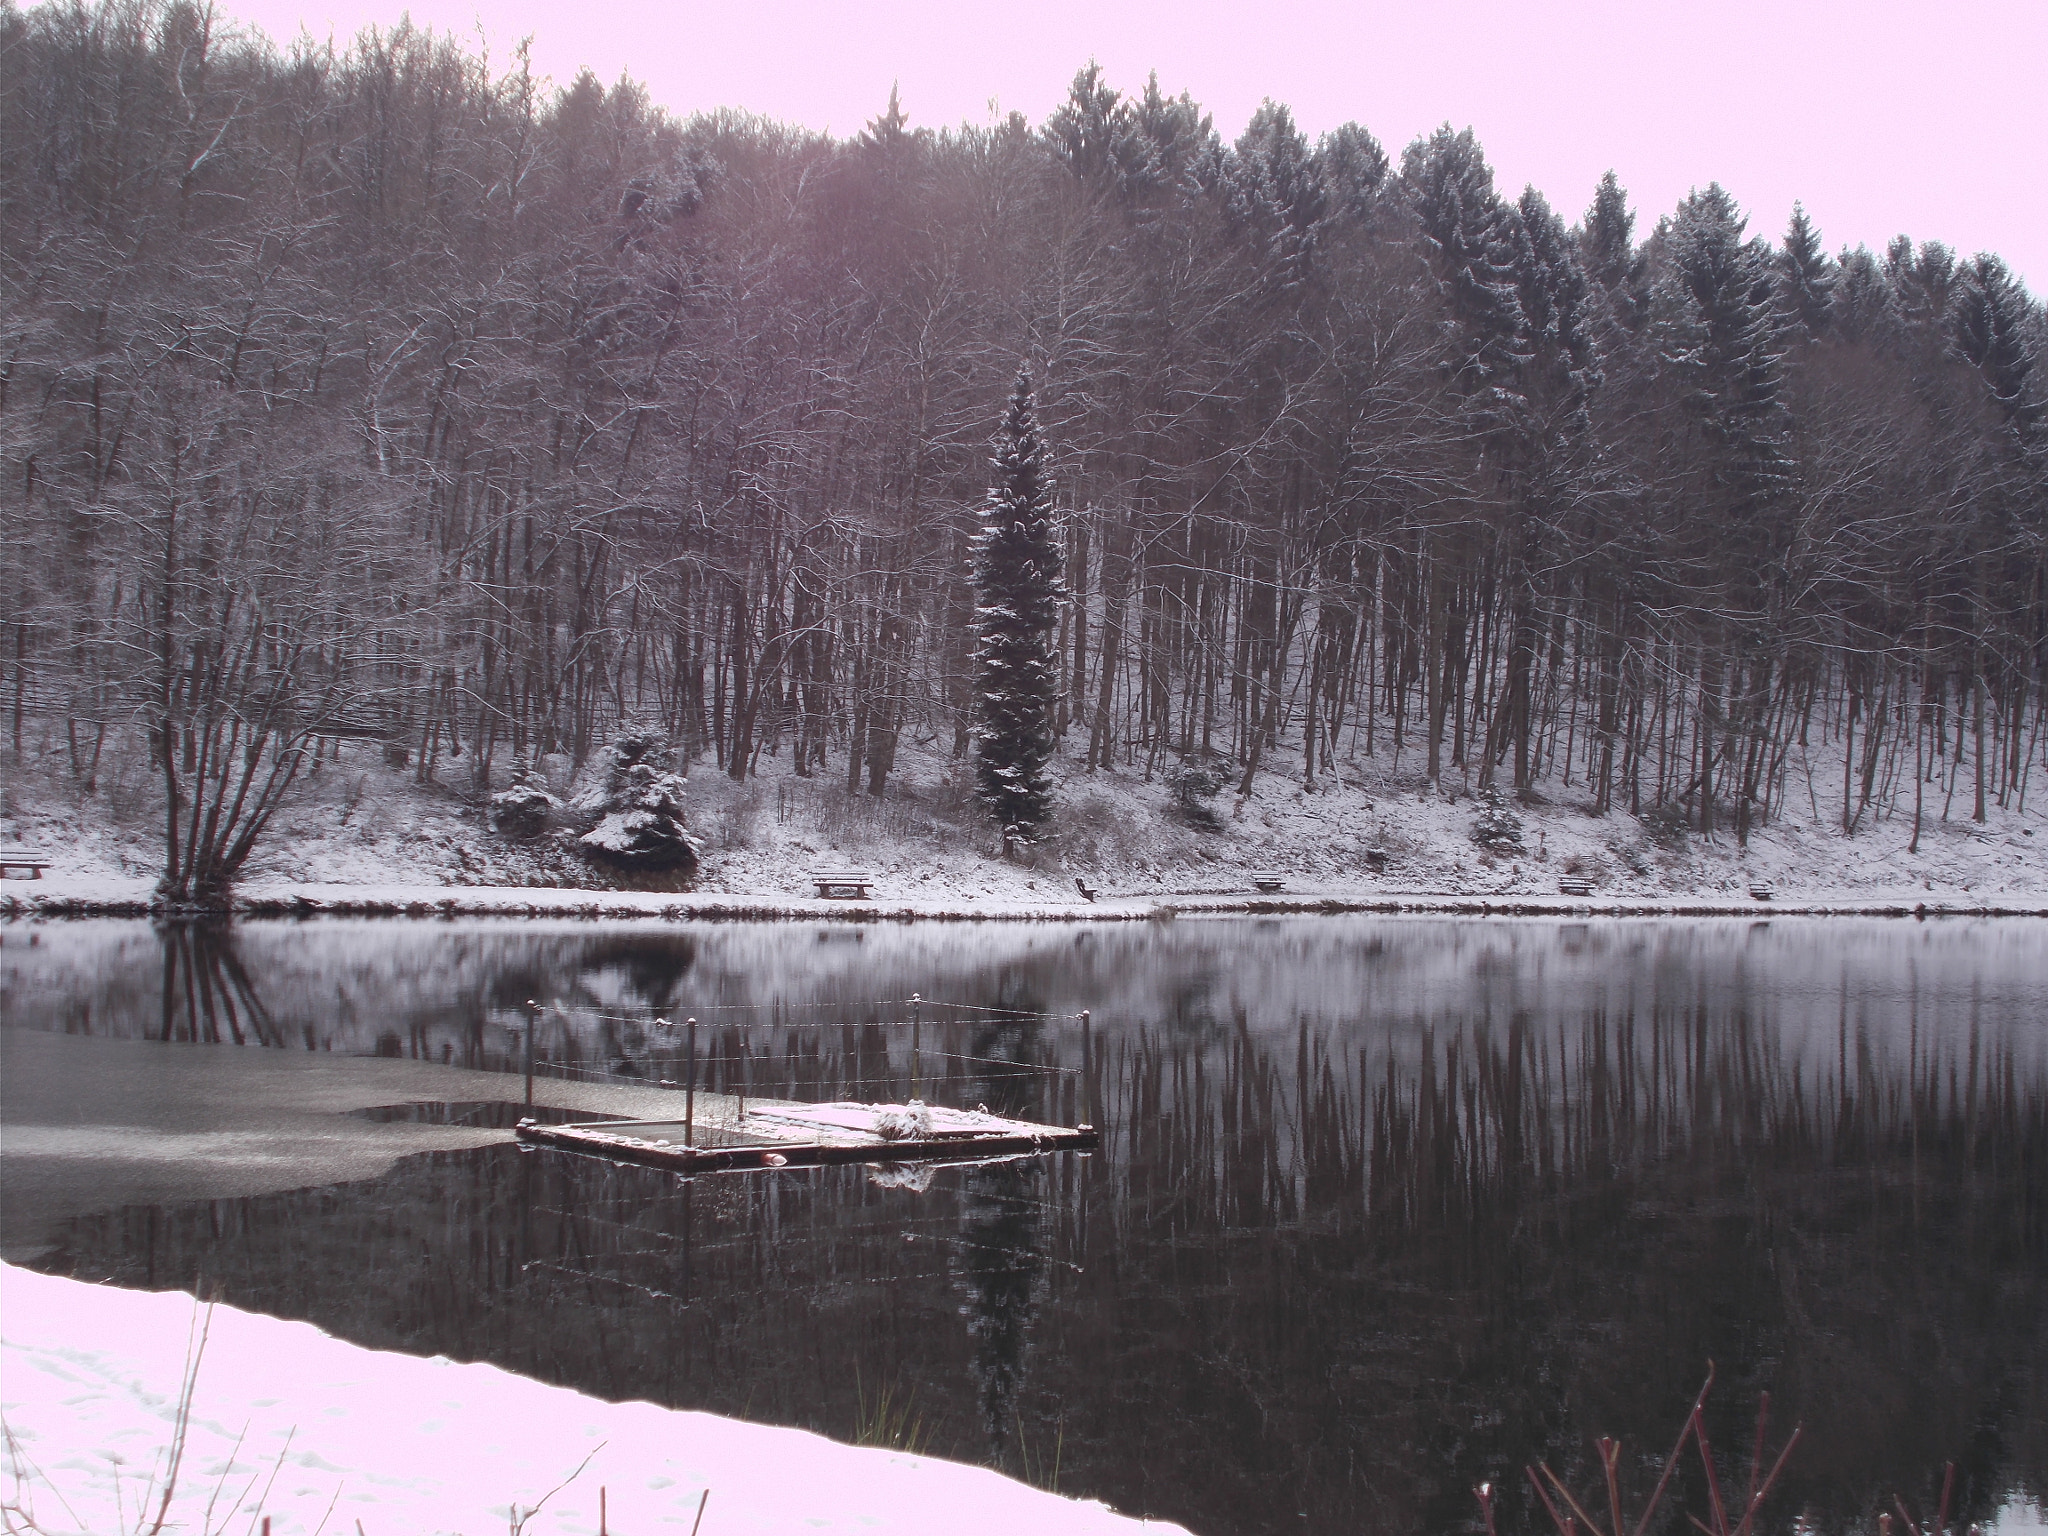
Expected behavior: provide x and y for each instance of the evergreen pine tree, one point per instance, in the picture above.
(1988, 319)
(1159, 143)
(1474, 240)
(1862, 306)
(1719, 331)
(1721, 335)
(1607, 251)
(1806, 276)
(1279, 191)
(1607, 237)
(1018, 565)
(641, 806)
(1354, 170)
(1085, 131)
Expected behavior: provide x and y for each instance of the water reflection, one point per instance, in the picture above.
(999, 1258)
(1333, 1266)
(206, 993)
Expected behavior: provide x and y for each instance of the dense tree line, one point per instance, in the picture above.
(386, 393)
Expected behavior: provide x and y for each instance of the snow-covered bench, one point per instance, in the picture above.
(24, 858)
(842, 884)
(1268, 882)
(1574, 885)
(1760, 890)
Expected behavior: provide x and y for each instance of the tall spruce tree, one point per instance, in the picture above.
(1018, 569)
(1722, 338)
(1806, 276)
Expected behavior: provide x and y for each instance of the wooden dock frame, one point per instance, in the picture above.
(613, 1139)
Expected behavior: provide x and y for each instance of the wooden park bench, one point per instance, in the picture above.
(1574, 885)
(1760, 890)
(1087, 891)
(842, 884)
(24, 858)
(1269, 883)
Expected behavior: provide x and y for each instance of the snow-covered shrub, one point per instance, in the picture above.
(1193, 784)
(640, 806)
(1633, 856)
(524, 809)
(906, 1122)
(1498, 829)
(1667, 826)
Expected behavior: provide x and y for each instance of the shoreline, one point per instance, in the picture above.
(527, 902)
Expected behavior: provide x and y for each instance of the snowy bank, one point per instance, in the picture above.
(100, 896)
(377, 842)
(319, 1434)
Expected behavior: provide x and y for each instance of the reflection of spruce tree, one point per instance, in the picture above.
(1000, 1255)
(651, 966)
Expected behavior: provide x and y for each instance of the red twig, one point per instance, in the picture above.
(1778, 1466)
(1756, 1456)
(1484, 1494)
(1578, 1509)
(1699, 1437)
(1537, 1483)
(1657, 1493)
(1610, 1457)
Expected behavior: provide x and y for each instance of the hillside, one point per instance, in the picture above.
(358, 823)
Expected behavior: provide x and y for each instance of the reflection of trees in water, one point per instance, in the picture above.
(1534, 1235)
(1299, 1277)
(207, 993)
(1000, 1255)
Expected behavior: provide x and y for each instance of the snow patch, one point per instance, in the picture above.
(312, 1431)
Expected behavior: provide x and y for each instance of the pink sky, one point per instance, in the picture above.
(1929, 119)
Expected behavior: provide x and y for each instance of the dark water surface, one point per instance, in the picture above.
(1385, 1207)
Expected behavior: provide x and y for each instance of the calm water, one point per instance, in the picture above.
(1386, 1207)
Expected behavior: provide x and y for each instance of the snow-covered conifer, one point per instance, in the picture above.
(1862, 298)
(1354, 170)
(1988, 316)
(1472, 236)
(524, 809)
(1280, 191)
(1018, 569)
(1806, 275)
(641, 806)
(1607, 251)
(1719, 330)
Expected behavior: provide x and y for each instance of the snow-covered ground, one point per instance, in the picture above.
(362, 833)
(320, 1435)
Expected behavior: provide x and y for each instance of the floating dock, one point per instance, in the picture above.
(810, 1135)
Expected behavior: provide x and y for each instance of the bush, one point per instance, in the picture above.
(1193, 784)
(1667, 826)
(641, 809)
(525, 809)
(1498, 829)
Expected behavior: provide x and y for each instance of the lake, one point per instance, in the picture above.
(1385, 1207)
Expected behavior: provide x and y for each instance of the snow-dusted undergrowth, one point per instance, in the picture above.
(360, 825)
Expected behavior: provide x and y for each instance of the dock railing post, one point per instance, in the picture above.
(690, 1086)
(1087, 1064)
(916, 1031)
(532, 1014)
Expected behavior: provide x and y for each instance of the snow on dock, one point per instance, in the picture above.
(806, 1135)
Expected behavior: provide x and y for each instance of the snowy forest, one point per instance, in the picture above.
(388, 393)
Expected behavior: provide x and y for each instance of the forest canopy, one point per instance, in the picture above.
(380, 392)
